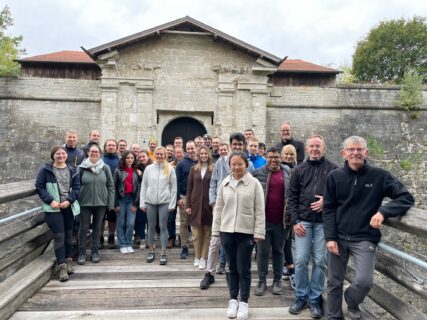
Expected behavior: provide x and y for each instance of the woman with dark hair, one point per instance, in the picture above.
(127, 180)
(58, 186)
(96, 195)
(198, 207)
(158, 198)
(141, 217)
(239, 218)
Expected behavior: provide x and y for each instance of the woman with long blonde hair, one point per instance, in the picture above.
(158, 198)
(198, 207)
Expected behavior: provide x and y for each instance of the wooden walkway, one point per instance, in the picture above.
(127, 287)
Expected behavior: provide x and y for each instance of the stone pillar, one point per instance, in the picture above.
(145, 114)
(109, 92)
(223, 119)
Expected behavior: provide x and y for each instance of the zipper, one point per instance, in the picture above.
(351, 213)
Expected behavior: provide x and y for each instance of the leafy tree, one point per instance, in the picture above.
(389, 49)
(411, 95)
(9, 46)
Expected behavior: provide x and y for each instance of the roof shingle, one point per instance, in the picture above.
(65, 56)
(298, 65)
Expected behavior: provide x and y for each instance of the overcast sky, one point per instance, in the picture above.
(320, 31)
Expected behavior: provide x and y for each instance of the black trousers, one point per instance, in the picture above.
(238, 249)
(61, 226)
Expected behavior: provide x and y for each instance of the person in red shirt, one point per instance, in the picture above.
(127, 179)
(274, 179)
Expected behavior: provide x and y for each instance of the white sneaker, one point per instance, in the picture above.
(124, 250)
(130, 250)
(232, 308)
(202, 264)
(243, 311)
(196, 262)
(142, 245)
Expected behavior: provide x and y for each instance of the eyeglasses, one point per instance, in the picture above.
(355, 150)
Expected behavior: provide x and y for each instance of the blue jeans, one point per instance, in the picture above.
(140, 223)
(125, 222)
(312, 244)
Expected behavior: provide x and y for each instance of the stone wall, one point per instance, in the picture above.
(34, 116)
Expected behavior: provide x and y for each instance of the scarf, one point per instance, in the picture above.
(96, 167)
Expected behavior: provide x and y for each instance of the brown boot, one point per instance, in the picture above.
(170, 243)
(63, 274)
(70, 265)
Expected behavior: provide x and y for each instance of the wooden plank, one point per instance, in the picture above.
(15, 290)
(19, 225)
(18, 247)
(144, 298)
(394, 305)
(17, 190)
(271, 313)
(396, 271)
(414, 222)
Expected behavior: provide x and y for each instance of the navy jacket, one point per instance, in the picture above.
(112, 160)
(353, 197)
(75, 156)
(182, 171)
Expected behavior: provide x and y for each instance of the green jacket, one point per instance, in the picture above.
(97, 190)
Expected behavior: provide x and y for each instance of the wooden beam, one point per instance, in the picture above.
(20, 225)
(394, 305)
(17, 190)
(414, 222)
(193, 33)
(22, 285)
(396, 271)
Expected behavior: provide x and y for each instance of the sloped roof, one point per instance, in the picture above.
(185, 22)
(301, 66)
(65, 56)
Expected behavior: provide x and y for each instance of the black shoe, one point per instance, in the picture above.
(94, 256)
(111, 244)
(207, 281)
(82, 258)
(150, 257)
(277, 288)
(137, 239)
(287, 273)
(298, 306)
(316, 311)
(184, 253)
(261, 288)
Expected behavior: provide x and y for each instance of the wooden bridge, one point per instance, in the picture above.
(127, 287)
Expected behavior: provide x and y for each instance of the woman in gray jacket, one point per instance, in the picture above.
(158, 198)
(96, 195)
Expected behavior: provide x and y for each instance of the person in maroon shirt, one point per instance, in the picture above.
(274, 179)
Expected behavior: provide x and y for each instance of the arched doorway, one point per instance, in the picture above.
(185, 127)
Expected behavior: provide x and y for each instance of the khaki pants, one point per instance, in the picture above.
(183, 224)
(214, 246)
(201, 239)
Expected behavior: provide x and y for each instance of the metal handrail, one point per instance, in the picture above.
(403, 255)
(20, 214)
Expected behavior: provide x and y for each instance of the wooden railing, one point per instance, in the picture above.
(27, 261)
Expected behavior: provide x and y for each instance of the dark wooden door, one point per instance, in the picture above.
(185, 127)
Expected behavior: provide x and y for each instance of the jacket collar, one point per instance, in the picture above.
(245, 179)
(360, 171)
(315, 162)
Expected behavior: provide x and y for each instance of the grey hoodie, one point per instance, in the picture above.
(156, 188)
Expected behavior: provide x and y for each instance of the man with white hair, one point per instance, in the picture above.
(353, 213)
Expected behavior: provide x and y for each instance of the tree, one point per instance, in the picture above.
(391, 48)
(9, 46)
(411, 95)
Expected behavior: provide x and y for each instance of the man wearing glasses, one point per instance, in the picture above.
(286, 138)
(353, 214)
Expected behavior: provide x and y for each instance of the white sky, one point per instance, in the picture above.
(321, 31)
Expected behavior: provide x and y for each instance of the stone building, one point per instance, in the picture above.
(181, 78)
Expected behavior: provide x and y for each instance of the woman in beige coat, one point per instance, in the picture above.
(239, 218)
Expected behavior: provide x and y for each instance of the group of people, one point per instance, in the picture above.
(231, 201)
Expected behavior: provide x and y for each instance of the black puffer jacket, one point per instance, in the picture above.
(353, 197)
(307, 180)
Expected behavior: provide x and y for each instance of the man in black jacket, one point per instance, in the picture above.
(305, 205)
(353, 215)
(286, 138)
